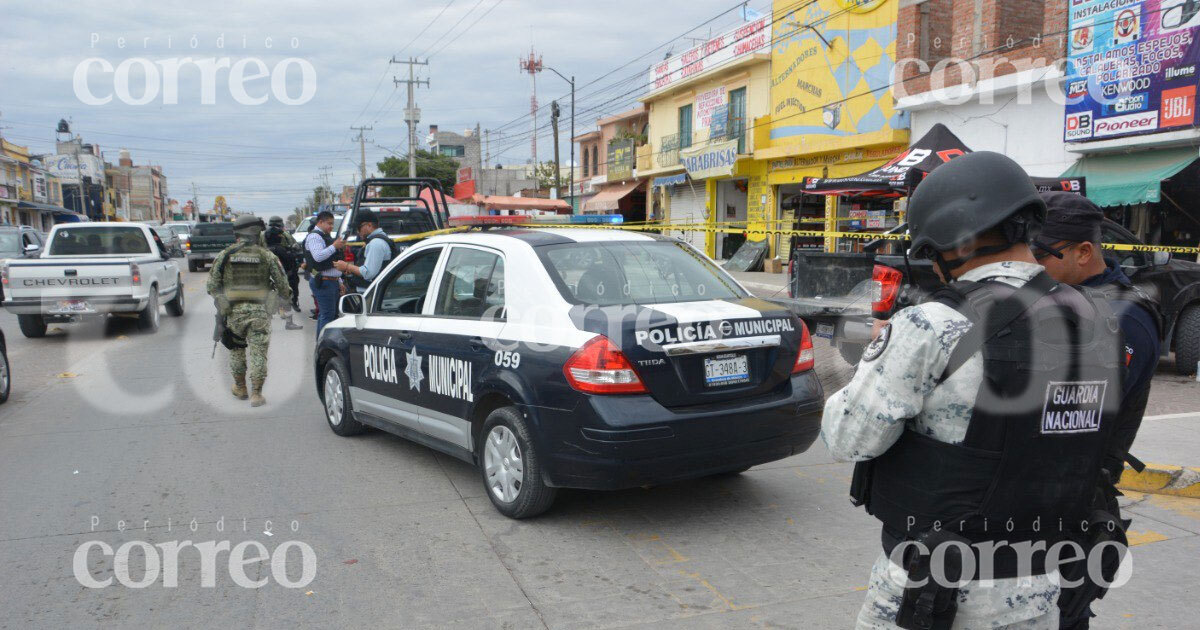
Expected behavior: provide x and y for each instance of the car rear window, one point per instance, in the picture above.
(10, 244)
(214, 229)
(635, 272)
(99, 241)
(181, 230)
(406, 222)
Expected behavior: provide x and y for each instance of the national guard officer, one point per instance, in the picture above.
(284, 247)
(1069, 246)
(246, 282)
(979, 416)
(377, 251)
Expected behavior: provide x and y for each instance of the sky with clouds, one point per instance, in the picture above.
(266, 158)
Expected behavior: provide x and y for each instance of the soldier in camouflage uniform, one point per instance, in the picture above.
(912, 396)
(247, 282)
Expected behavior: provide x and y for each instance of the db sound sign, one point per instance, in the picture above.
(1131, 67)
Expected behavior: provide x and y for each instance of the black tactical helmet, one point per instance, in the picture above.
(276, 221)
(971, 195)
(248, 222)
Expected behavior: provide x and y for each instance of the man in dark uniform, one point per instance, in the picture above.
(370, 259)
(284, 247)
(1069, 247)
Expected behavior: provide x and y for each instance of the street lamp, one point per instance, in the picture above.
(572, 82)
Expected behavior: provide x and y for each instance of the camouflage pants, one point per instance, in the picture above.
(1012, 604)
(252, 323)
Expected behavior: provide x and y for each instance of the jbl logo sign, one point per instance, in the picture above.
(1178, 106)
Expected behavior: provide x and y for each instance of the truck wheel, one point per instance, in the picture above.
(336, 396)
(148, 318)
(511, 467)
(175, 306)
(192, 266)
(5, 376)
(1187, 340)
(851, 352)
(32, 326)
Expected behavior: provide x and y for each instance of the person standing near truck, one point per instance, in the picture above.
(247, 283)
(957, 416)
(378, 250)
(1069, 247)
(320, 251)
(280, 242)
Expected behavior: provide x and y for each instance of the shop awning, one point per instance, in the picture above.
(609, 198)
(1130, 178)
(903, 172)
(497, 202)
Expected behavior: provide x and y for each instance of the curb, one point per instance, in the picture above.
(1180, 481)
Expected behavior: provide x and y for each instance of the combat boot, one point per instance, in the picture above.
(289, 324)
(239, 387)
(256, 397)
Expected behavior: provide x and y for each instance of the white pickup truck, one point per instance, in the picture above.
(94, 270)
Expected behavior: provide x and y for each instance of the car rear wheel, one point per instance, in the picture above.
(336, 396)
(5, 376)
(1187, 340)
(192, 266)
(148, 318)
(851, 352)
(511, 467)
(175, 306)
(32, 326)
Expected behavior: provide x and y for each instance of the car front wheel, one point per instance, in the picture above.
(511, 466)
(1187, 340)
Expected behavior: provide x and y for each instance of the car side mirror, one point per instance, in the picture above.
(1161, 258)
(31, 248)
(351, 304)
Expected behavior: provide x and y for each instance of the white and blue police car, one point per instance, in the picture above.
(570, 358)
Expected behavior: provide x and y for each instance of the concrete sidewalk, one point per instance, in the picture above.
(1170, 446)
(763, 284)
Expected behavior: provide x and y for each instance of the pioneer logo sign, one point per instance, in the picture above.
(1178, 106)
(1132, 123)
(1073, 407)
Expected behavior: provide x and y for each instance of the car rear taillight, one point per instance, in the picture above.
(791, 269)
(135, 273)
(599, 367)
(3, 273)
(887, 287)
(806, 358)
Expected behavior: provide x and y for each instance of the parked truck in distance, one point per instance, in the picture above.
(207, 240)
(839, 294)
(94, 270)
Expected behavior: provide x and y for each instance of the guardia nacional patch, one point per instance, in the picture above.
(878, 345)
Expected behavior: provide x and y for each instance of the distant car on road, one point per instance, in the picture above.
(182, 229)
(207, 240)
(94, 270)
(570, 358)
(171, 240)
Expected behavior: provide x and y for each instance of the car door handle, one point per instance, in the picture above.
(477, 343)
(402, 335)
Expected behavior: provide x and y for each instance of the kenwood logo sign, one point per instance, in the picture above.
(1119, 125)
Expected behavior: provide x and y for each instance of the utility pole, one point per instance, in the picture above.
(362, 149)
(412, 115)
(554, 113)
(572, 82)
(533, 65)
(325, 181)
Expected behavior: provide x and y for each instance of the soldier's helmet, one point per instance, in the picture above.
(969, 196)
(276, 221)
(248, 224)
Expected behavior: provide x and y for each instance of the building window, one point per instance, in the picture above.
(737, 118)
(585, 163)
(449, 150)
(685, 126)
(595, 160)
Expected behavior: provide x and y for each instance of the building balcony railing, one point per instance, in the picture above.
(668, 150)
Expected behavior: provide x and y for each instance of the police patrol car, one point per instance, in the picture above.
(570, 358)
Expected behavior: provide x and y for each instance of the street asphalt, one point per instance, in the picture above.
(116, 436)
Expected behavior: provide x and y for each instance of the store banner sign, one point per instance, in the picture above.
(713, 160)
(620, 160)
(67, 168)
(707, 104)
(747, 39)
(1131, 68)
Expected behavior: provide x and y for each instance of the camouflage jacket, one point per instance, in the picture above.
(269, 275)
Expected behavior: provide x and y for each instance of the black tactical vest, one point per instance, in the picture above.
(313, 265)
(357, 282)
(1029, 465)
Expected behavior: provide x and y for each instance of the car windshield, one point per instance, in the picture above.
(633, 272)
(99, 241)
(10, 244)
(214, 229)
